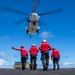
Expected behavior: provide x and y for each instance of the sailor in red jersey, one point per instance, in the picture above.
(55, 56)
(33, 56)
(45, 48)
(24, 55)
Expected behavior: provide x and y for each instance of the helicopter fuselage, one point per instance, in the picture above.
(33, 24)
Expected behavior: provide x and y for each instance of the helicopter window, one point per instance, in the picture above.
(34, 23)
(34, 15)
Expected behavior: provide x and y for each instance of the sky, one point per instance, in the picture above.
(58, 30)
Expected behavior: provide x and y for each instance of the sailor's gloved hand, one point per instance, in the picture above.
(12, 47)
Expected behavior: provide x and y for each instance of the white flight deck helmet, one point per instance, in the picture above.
(33, 45)
(44, 41)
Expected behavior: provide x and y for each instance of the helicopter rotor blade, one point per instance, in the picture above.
(35, 5)
(41, 23)
(18, 22)
(51, 12)
(8, 9)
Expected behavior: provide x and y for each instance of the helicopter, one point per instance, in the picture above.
(33, 18)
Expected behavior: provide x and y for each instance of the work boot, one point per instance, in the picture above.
(58, 68)
(53, 68)
(35, 66)
(44, 69)
(23, 67)
(30, 66)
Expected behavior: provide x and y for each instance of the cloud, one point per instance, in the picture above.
(5, 64)
(3, 37)
(2, 62)
(69, 64)
(46, 34)
(3, 55)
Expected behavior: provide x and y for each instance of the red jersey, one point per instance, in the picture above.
(33, 50)
(22, 50)
(45, 47)
(55, 53)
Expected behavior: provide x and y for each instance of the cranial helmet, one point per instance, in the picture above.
(44, 41)
(54, 48)
(22, 46)
(33, 45)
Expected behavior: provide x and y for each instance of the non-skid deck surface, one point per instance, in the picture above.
(37, 72)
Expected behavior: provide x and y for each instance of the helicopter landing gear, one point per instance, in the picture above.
(27, 31)
(37, 31)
